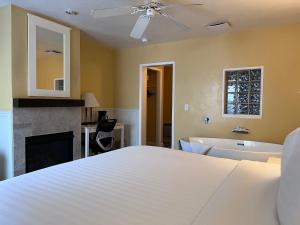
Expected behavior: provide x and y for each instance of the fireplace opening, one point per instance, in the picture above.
(48, 150)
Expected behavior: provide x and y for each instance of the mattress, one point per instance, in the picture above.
(132, 186)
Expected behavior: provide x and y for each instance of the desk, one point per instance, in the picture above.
(87, 129)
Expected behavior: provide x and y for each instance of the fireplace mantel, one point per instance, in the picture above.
(43, 102)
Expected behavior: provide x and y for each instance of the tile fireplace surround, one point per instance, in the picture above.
(32, 121)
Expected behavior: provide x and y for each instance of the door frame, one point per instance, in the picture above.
(143, 100)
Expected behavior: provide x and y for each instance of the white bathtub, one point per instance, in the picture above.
(233, 149)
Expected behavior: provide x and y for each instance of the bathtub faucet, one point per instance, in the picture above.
(241, 130)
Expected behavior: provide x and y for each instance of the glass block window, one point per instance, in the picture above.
(243, 92)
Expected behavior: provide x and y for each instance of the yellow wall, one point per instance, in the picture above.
(199, 71)
(199, 65)
(49, 67)
(97, 71)
(19, 55)
(5, 59)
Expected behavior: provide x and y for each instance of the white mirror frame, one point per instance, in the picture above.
(33, 22)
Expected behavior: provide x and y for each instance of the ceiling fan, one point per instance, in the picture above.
(148, 10)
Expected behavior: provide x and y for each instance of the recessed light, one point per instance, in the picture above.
(144, 40)
(71, 12)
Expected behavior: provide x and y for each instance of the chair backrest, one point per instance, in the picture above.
(102, 115)
(104, 135)
(288, 201)
(106, 125)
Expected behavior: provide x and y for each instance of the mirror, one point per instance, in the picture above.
(48, 58)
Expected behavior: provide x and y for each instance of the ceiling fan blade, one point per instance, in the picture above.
(177, 23)
(169, 4)
(110, 12)
(140, 27)
(191, 4)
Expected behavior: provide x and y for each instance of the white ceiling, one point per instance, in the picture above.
(4, 2)
(242, 14)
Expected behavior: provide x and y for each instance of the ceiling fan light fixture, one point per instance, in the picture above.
(150, 12)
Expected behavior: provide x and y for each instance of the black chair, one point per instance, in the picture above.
(103, 140)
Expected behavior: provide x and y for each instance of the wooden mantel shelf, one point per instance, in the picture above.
(46, 102)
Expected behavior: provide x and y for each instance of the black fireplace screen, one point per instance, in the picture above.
(48, 150)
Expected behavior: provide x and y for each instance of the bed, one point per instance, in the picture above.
(144, 185)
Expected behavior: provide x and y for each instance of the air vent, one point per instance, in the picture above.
(219, 26)
(53, 52)
(71, 12)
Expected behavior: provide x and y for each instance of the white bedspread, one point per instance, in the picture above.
(247, 197)
(133, 186)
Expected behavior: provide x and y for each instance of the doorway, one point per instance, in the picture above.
(157, 104)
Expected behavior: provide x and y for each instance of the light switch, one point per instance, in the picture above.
(186, 107)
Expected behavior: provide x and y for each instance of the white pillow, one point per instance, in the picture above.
(288, 201)
(241, 155)
(199, 148)
(291, 143)
(194, 147)
(185, 145)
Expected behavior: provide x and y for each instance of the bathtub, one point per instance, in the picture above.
(232, 149)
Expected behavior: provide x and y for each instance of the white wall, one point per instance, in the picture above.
(130, 117)
(6, 146)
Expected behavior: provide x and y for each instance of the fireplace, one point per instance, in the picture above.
(48, 150)
(39, 120)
